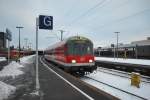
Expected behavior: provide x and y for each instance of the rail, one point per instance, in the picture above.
(124, 74)
(116, 88)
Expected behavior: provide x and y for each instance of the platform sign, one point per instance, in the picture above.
(45, 22)
(8, 34)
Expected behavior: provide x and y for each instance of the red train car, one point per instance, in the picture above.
(14, 54)
(74, 54)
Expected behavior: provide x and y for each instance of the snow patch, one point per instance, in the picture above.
(121, 83)
(2, 59)
(13, 69)
(27, 59)
(6, 90)
(121, 60)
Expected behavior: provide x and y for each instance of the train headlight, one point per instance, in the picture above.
(73, 61)
(90, 61)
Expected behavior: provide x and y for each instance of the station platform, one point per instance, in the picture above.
(54, 85)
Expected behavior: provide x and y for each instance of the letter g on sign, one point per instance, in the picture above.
(47, 21)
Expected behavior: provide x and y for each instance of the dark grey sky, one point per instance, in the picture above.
(95, 19)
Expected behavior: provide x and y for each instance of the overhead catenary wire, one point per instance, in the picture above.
(101, 3)
(121, 19)
(112, 22)
(88, 11)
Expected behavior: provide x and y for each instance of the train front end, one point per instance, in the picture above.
(79, 55)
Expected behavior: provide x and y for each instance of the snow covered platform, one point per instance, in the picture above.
(137, 65)
(15, 78)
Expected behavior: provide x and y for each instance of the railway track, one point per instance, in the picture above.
(121, 90)
(120, 74)
(145, 79)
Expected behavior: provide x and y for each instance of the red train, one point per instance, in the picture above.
(74, 54)
(14, 54)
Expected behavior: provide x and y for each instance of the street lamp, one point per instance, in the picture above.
(117, 43)
(19, 27)
(30, 46)
(26, 43)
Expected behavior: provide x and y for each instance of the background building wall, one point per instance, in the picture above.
(2, 40)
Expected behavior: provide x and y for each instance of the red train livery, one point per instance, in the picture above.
(14, 54)
(74, 54)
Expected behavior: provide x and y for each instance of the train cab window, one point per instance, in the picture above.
(80, 48)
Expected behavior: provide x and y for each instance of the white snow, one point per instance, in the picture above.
(27, 59)
(123, 60)
(13, 69)
(6, 90)
(121, 83)
(2, 59)
(114, 92)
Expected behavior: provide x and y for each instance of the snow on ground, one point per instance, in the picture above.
(27, 59)
(13, 69)
(114, 92)
(123, 60)
(121, 83)
(2, 59)
(6, 90)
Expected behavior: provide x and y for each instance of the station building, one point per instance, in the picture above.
(136, 49)
(142, 42)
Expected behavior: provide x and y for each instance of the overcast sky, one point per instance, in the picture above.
(94, 19)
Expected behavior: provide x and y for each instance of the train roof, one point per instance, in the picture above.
(73, 38)
(77, 38)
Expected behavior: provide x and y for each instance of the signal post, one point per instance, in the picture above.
(42, 22)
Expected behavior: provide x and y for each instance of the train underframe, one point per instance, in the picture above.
(82, 70)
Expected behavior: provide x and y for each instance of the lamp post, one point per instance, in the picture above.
(117, 43)
(19, 27)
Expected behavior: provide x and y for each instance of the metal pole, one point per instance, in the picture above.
(114, 52)
(26, 41)
(136, 51)
(19, 43)
(19, 27)
(61, 34)
(8, 51)
(61, 31)
(117, 43)
(37, 73)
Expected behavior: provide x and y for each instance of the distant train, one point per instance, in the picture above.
(74, 54)
(15, 53)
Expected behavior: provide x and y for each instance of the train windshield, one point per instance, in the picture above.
(80, 48)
